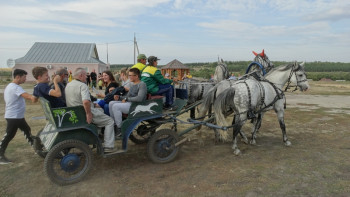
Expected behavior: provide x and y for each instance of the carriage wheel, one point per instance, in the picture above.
(68, 162)
(161, 147)
(143, 132)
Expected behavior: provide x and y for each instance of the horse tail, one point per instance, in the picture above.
(208, 99)
(222, 102)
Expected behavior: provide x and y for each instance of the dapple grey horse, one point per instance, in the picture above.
(196, 89)
(221, 72)
(209, 97)
(258, 96)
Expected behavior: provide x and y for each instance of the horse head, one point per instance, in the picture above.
(263, 60)
(299, 76)
(221, 71)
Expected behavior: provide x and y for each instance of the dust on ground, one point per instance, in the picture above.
(317, 163)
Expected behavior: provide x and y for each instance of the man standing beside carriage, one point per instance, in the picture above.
(14, 97)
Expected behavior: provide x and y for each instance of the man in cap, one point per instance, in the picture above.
(157, 84)
(141, 62)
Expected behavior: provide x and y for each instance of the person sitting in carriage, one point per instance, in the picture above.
(141, 62)
(121, 104)
(157, 84)
(77, 94)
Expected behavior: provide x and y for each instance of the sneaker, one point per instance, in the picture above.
(110, 150)
(4, 160)
(173, 108)
(170, 107)
(117, 133)
(166, 107)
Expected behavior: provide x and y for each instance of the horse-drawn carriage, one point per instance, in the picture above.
(67, 140)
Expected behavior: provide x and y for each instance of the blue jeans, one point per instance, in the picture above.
(168, 91)
(106, 109)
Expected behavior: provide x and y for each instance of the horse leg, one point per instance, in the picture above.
(193, 113)
(236, 129)
(241, 133)
(280, 115)
(256, 127)
(217, 137)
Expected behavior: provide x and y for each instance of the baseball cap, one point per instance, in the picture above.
(141, 56)
(152, 59)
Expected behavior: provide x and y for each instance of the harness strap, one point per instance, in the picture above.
(201, 94)
(262, 90)
(279, 95)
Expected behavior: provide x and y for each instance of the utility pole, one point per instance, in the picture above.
(135, 48)
(107, 53)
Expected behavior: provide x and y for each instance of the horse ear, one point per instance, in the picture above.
(302, 65)
(262, 53)
(222, 61)
(255, 53)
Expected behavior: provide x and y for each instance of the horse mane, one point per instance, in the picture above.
(280, 68)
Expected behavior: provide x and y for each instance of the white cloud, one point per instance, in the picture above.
(332, 14)
(105, 13)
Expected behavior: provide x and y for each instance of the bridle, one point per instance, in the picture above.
(225, 74)
(294, 70)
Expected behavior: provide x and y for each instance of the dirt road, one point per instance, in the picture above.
(317, 163)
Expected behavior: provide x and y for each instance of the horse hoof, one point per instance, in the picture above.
(245, 140)
(252, 142)
(237, 152)
(288, 143)
(201, 142)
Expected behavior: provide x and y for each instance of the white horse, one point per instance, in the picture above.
(209, 98)
(221, 72)
(197, 89)
(257, 97)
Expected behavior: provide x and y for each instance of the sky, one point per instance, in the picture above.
(187, 30)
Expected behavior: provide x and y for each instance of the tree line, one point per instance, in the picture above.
(315, 70)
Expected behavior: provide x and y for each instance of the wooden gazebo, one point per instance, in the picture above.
(175, 68)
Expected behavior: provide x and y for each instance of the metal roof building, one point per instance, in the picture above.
(54, 56)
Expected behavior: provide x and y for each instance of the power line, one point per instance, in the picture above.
(115, 42)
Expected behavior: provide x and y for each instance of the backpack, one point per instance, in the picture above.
(117, 91)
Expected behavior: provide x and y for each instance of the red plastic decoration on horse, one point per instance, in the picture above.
(262, 54)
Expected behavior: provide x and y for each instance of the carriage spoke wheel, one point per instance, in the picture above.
(143, 132)
(68, 162)
(161, 146)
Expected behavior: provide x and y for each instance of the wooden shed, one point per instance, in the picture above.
(175, 68)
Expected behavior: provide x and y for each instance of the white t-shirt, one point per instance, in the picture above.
(15, 103)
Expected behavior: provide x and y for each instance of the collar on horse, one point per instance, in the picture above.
(258, 64)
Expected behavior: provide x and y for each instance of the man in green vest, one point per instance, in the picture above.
(157, 84)
(141, 62)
